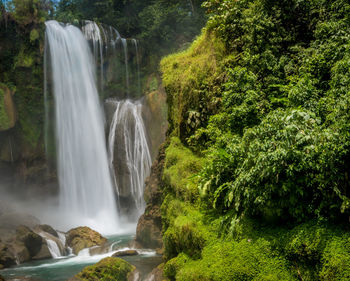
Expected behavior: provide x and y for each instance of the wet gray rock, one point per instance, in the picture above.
(46, 228)
(30, 239)
(44, 253)
(126, 253)
(6, 257)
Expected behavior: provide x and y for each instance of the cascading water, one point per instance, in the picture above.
(127, 141)
(138, 64)
(92, 32)
(86, 189)
(53, 248)
(125, 47)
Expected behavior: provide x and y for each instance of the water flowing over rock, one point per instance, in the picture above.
(86, 189)
(129, 154)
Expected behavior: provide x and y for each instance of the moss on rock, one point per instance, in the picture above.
(84, 237)
(180, 166)
(195, 68)
(108, 269)
(7, 108)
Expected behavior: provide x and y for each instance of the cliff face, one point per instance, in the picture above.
(21, 89)
(149, 227)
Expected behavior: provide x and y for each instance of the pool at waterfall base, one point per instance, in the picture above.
(63, 268)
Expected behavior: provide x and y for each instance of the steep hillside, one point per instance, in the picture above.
(255, 180)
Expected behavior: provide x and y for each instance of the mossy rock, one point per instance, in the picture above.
(84, 237)
(108, 269)
(7, 109)
(181, 165)
(229, 260)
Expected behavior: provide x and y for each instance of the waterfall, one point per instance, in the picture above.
(62, 238)
(92, 32)
(127, 140)
(53, 248)
(125, 47)
(138, 65)
(86, 189)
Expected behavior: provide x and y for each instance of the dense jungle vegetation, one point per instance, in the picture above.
(256, 171)
(255, 182)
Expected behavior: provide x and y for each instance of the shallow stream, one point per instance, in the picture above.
(63, 268)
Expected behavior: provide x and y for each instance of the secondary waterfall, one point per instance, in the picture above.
(128, 144)
(86, 189)
(53, 248)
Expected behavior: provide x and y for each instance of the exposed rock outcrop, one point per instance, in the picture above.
(157, 274)
(84, 237)
(21, 240)
(149, 227)
(45, 252)
(46, 228)
(30, 240)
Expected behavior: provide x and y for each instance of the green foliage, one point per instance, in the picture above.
(315, 250)
(173, 266)
(34, 35)
(186, 229)
(4, 118)
(243, 260)
(188, 78)
(336, 260)
(22, 69)
(263, 96)
(28, 12)
(180, 166)
(106, 270)
(162, 26)
(278, 140)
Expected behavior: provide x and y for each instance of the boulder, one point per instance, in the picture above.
(20, 252)
(149, 233)
(46, 228)
(126, 253)
(47, 236)
(157, 274)
(32, 241)
(108, 269)
(44, 253)
(84, 237)
(6, 257)
(99, 250)
(2, 278)
(149, 227)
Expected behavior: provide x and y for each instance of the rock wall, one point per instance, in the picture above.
(149, 227)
